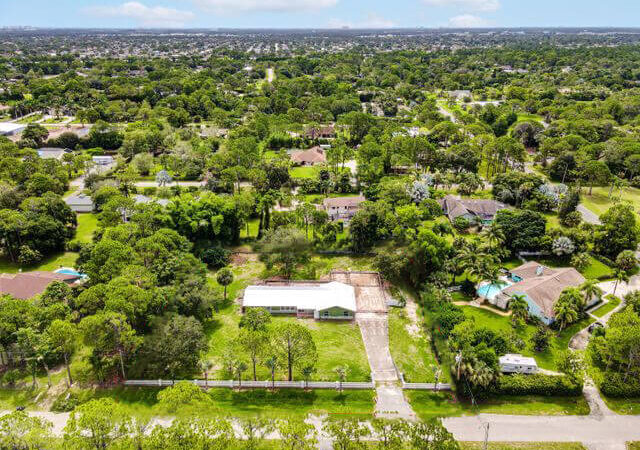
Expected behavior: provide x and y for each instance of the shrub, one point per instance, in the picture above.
(181, 394)
(216, 257)
(538, 384)
(150, 191)
(65, 402)
(614, 385)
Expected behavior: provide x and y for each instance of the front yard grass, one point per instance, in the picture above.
(226, 403)
(546, 359)
(428, 405)
(606, 308)
(410, 352)
(626, 406)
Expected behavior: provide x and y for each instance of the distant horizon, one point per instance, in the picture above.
(320, 14)
(345, 28)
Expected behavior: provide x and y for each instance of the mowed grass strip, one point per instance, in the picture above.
(227, 403)
(428, 405)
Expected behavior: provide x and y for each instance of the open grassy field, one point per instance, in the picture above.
(293, 403)
(429, 405)
(410, 352)
(599, 201)
(337, 343)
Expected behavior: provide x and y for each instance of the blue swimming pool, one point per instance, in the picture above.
(490, 290)
(68, 271)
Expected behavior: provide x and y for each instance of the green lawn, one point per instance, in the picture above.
(337, 343)
(67, 259)
(627, 406)
(303, 172)
(286, 403)
(546, 359)
(410, 352)
(523, 446)
(428, 405)
(30, 119)
(599, 201)
(607, 307)
(87, 224)
(253, 230)
(596, 270)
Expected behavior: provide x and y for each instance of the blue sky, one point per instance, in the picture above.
(318, 13)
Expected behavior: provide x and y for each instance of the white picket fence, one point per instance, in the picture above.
(234, 384)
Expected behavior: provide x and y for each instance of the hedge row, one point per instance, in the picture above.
(538, 384)
(614, 385)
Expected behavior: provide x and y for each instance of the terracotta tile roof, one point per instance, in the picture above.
(29, 284)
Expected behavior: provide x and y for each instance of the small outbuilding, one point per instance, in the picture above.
(514, 363)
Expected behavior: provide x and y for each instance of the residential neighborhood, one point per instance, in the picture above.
(262, 234)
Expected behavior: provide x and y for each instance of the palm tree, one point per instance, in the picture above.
(620, 275)
(519, 307)
(239, 368)
(590, 289)
(307, 371)
(272, 363)
(437, 372)
(342, 372)
(493, 235)
(206, 366)
(566, 312)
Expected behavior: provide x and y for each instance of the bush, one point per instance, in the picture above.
(150, 191)
(65, 402)
(216, 257)
(614, 385)
(74, 246)
(538, 384)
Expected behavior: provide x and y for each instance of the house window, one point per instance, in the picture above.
(325, 313)
(346, 313)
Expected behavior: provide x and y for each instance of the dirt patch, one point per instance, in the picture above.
(238, 259)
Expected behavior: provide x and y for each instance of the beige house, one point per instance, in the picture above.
(310, 157)
(342, 208)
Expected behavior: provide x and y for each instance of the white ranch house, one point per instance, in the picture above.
(322, 301)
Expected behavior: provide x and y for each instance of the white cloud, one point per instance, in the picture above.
(148, 16)
(227, 6)
(372, 20)
(468, 21)
(467, 5)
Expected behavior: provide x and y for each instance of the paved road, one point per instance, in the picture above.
(588, 215)
(601, 432)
